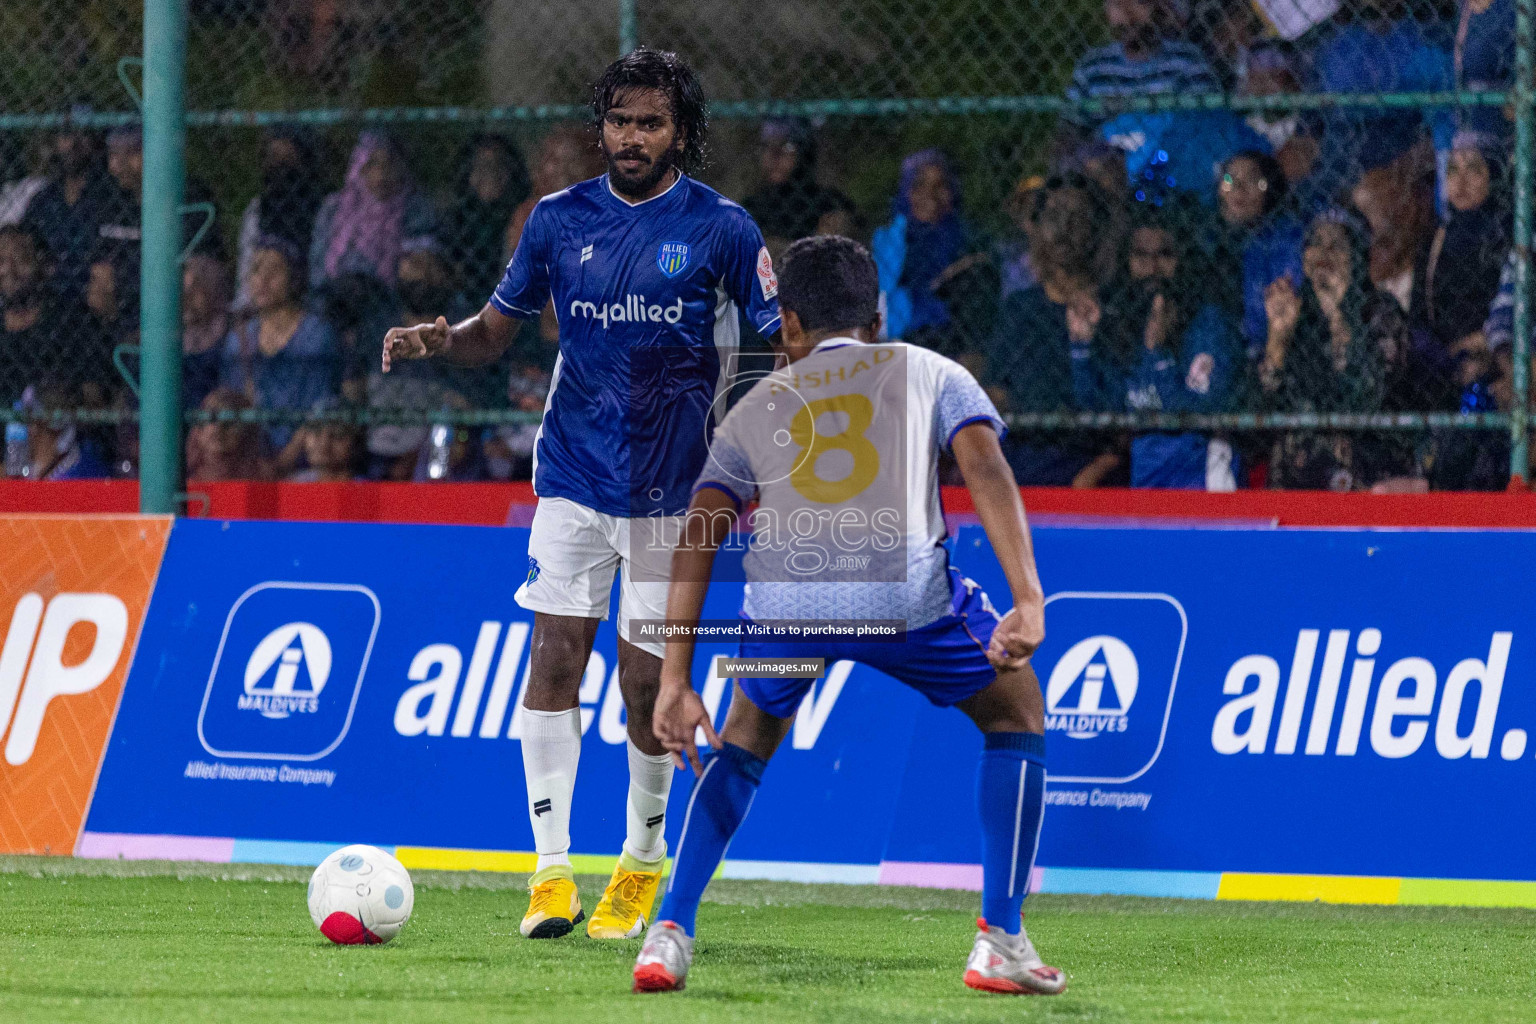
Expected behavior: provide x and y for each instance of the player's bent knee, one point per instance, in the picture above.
(1012, 703)
(751, 728)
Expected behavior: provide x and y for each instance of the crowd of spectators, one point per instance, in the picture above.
(1348, 260)
(288, 318)
(1343, 260)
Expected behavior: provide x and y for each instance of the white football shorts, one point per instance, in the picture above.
(573, 552)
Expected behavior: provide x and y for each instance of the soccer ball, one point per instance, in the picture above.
(360, 896)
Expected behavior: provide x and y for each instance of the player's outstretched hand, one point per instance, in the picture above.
(679, 712)
(1017, 636)
(420, 342)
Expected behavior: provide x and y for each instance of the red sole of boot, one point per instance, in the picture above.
(998, 986)
(655, 978)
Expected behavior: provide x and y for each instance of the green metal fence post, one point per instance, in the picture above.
(627, 26)
(1519, 456)
(165, 138)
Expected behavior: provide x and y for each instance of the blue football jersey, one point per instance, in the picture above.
(648, 297)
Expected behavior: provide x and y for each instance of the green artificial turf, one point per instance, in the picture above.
(123, 942)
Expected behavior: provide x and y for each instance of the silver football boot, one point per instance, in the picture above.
(1008, 964)
(664, 959)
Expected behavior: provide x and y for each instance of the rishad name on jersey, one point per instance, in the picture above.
(632, 309)
(788, 380)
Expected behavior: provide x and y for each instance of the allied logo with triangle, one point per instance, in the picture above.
(287, 671)
(1109, 667)
(1091, 688)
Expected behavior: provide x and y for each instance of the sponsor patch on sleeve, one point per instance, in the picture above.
(765, 275)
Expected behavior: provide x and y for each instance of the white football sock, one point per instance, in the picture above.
(650, 780)
(551, 750)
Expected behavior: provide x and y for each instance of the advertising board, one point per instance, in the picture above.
(73, 590)
(1221, 705)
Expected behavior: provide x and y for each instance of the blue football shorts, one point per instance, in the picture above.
(945, 661)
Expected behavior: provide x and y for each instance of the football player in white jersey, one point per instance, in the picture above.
(840, 448)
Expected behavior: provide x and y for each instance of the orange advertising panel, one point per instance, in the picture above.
(73, 591)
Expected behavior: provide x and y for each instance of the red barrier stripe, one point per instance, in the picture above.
(488, 504)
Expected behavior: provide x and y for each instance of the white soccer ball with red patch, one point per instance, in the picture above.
(360, 896)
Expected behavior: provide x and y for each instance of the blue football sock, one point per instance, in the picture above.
(720, 800)
(1010, 795)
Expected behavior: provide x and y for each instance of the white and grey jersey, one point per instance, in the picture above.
(842, 450)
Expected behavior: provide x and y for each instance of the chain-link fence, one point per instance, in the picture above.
(1184, 243)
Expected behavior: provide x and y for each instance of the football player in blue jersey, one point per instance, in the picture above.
(849, 435)
(648, 270)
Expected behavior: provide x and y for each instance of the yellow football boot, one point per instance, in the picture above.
(554, 906)
(625, 908)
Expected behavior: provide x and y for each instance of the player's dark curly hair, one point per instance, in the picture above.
(830, 283)
(645, 68)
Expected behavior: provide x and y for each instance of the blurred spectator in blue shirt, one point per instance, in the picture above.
(59, 450)
(1257, 241)
(284, 357)
(1148, 56)
(1177, 352)
(1484, 61)
(1385, 49)
(1179, 151)
(923, 249)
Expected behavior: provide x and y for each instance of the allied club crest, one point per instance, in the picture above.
(672, 258)
(533, 569)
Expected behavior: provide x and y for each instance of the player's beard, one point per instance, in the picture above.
(648, 179)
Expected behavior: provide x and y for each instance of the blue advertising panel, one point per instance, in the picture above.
(1305, 701)
(1349, 702)
(346, 682)
(267, 705)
